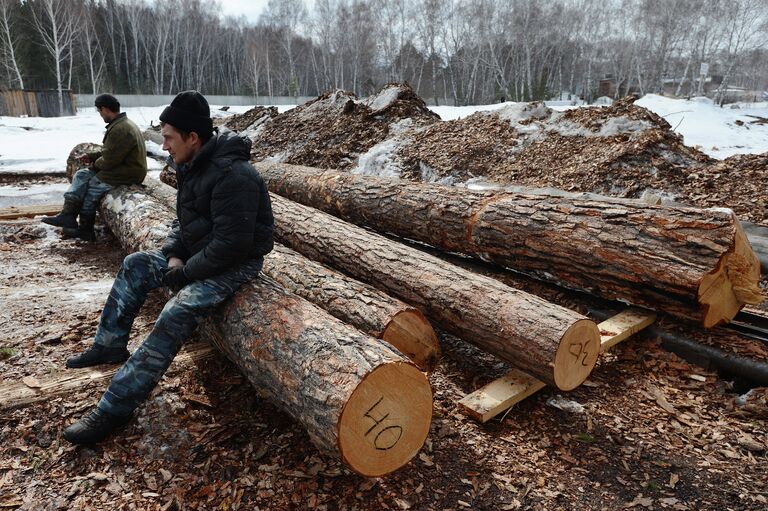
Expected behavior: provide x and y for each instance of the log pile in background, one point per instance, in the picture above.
(689, 262)
(356, 396)
(362, 306)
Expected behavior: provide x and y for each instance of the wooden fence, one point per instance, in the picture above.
(36, 103)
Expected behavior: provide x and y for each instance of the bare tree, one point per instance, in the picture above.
(9, 40)
(57, 25)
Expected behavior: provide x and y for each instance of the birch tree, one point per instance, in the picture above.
(9, 40)
(57, 25)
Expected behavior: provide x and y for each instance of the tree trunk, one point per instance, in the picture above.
(356, 396)
(363, 306)
(360, 305)
(556, 345)
(688, 262)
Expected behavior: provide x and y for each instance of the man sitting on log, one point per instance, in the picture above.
(223, 230)
(122, 161)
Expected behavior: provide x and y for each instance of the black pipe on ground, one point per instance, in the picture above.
(753, 372)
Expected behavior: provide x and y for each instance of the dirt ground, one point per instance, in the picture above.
(647, 430)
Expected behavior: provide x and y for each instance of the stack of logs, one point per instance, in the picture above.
(336, 331)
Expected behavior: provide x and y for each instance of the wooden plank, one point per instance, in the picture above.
(502, 393)
(33, 390)
(623, 325)
(14, 212)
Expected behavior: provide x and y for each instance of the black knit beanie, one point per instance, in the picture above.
(107, 100)
(189, 111)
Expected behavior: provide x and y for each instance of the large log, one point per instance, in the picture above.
(356, 396)
(556, 345)
(689, 262)
(360, 305)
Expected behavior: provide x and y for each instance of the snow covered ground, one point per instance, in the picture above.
(713, 130)
(36, 144)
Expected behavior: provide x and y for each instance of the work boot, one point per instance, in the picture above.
(84, 230)
(67, 217)
(98, 354)
(94, 427)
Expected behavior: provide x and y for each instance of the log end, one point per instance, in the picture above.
(411, 333)
(386, 419)
(735, 282)
(577, 354)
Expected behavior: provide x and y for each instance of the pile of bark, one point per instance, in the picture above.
(252, 118)
(739, 182)
(622, 150)
(337, 127)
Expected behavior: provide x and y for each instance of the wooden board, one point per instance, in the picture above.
(17, 394)
(623, 325)
(502, 393)
(29, 211)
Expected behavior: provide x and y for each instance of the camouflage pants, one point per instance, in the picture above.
(140, 273)
(87, 189)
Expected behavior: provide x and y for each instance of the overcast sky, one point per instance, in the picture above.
(251, 9)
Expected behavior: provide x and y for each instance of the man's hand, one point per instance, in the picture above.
(174, 261)
(175, 278)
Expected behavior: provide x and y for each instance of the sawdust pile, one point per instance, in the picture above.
(620, 150)
(739, 182)
(251, 118)
(337, 127)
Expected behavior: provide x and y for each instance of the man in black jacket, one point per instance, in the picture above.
(223, 230)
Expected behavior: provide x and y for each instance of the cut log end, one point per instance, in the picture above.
(577, 354)
(411, 333)
(732, 284)
(386, 419)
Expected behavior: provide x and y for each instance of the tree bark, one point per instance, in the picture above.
(688, 262)
(360, 305)
(357, 397)
(556, 345)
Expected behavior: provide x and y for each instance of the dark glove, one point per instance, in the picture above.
(175, 279)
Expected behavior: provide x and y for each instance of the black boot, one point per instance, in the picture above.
(67, 217)
(94, 427)
(84, 230)
(98, 354)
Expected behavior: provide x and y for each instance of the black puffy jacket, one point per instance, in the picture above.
(224, 215)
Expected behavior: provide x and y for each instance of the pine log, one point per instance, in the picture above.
(690, 262)
(356, 396)
(556, 345)
(362, 306)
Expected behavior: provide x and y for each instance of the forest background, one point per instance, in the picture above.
(459, 51)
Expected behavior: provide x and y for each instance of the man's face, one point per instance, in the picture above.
(181, 150)
(106, 114)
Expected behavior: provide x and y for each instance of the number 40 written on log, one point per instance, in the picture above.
(384, 436)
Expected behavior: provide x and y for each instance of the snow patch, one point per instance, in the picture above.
(379, 160)
(612, 127)
(515, 113)
(384, 98)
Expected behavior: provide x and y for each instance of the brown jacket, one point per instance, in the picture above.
(123, 158)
